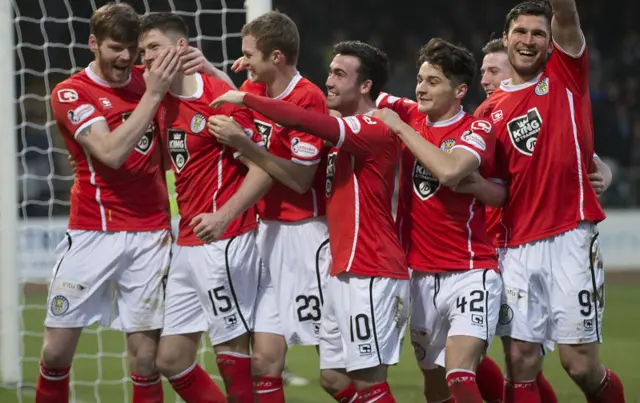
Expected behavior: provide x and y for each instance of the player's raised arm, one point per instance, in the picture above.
(286, 114)
(565, 27)
(90, 128)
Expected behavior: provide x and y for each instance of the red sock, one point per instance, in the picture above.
(521, 392)
(346, 395)
(547, 394)
(269, 390)
(235, 369)
(610, 390)
(379, 393)
(195, 386)
(147, 388)
(463, 386)
(490, 380)
(53, 385)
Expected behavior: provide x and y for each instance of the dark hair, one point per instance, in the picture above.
(494, 46)
(456, 62)
(275, 31)
(164, 22)
(118, 22)
(374, 63)
(540, 8)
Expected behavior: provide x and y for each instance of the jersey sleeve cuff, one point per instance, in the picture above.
(342, 134)
(305, 162)
(497, 180)
(471, 150)
(87, 124)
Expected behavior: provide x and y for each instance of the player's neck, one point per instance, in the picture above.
(281, 81)
(453, 110)
(183, 85)
(517, 79)
(364, 106)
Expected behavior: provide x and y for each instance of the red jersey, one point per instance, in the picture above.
(443, 230)
(207, 174)
(544, 150)
(131, 198)
(360, 184)
(282, 203)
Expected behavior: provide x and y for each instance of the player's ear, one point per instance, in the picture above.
(365, 87)
(504, 39)
(277, 57)
(182, 45)
(93, 43)
(461, 91)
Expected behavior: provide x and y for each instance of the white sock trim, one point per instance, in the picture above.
(466, 371)
(53, 378)
(233, 354)
(183, 373)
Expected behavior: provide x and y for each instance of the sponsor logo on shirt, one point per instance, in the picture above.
(302, 149)
(80, 114)
(474, 139)
(523, 131)
(66, 95)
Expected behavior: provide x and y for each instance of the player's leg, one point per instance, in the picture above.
(524, 316)
(269, 344)
(226, 274)
(547, 393)
(372, 326)
(578, 297)
(429, 335)
(140, 301)
(184, 323)
(78, 297)
(473, 301)
(333, 375)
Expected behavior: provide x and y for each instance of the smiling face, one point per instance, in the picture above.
(495, 69)
(114, 59)
(260, 68)
(344, 89)
(528, 44)
(435, 93)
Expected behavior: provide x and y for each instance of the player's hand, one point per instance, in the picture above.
(226, 130)
(389, 117)
(239, 65)
(597, 182)
(193, 61)
(209, 227)
(73, 163)
(468, 183)
(159, 76)
(230, 97)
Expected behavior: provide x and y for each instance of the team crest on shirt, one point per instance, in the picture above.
(198, 123)
(145, 143)
(447, 145)
(177, 145)
(542, 88)
(264, 129)
(425, 184)
(524, 131)
(331, 170)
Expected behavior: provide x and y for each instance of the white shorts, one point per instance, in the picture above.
(363, 322)
(554, 289)
(296, 259)
(95, 267)
(213, 287)
(452, 304)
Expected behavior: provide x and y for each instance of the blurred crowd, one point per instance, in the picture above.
(612, 33)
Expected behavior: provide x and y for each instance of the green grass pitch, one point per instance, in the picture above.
(620, 351)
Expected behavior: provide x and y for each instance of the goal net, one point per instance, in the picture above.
(50, 43)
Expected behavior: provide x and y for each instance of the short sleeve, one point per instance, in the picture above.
(363, 135)
(73, 110)
(479, 139)
(573, 70)
(307, 149)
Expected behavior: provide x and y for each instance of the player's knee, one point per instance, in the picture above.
(523, 358)
(365, 378)
(142, 349)
(56, 356)
(266, 363)
(334, 381)
(581, 364)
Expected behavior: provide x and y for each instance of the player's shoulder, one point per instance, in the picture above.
(72, 88)
(253, 87)
(476, 124)
(365, 123)
(214, 84)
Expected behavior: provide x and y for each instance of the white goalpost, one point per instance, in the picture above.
(46, 43)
